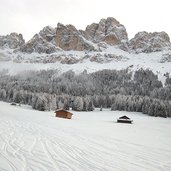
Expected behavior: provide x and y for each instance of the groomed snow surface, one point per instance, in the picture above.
(91, 141)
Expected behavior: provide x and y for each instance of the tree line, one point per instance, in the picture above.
(119, 90)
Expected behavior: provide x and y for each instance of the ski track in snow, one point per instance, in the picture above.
(28, 145)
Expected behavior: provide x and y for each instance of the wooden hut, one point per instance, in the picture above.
(124, 119)
(61, 113)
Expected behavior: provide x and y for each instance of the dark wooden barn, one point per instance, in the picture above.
(124, 119)
(61, 113)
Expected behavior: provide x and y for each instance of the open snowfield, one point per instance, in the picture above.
(92, 141)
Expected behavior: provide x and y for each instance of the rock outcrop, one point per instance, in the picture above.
(69, 38)
(44, 42)
(107, 30)
(11, 41)
(149, 42)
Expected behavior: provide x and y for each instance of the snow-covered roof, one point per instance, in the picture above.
(62, 110)
(124, 117)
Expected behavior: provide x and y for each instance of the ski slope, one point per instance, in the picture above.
(91, 141)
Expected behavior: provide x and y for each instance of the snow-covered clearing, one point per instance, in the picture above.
(91, 141)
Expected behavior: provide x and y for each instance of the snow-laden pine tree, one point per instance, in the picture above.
(78, 104)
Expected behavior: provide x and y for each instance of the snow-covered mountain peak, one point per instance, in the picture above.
(42, 42)
(48, 33)
(150, 42)
(108, 30)
(12, 41)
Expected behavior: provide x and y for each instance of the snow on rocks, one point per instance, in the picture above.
(11, 41)
(150, 42)
(108, 30)
(44, 42)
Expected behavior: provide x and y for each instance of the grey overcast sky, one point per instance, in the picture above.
(30, 16)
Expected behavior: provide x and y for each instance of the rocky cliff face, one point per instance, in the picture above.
(43, 42)
(11, 41)
(107, 30)
(149, 42)
(69, 38)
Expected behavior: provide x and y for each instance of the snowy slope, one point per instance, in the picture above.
(91, 141)
(78, 61)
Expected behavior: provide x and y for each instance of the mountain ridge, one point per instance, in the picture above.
(96, 37)
(87, 49)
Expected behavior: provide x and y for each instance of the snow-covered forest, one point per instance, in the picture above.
(119, 90)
